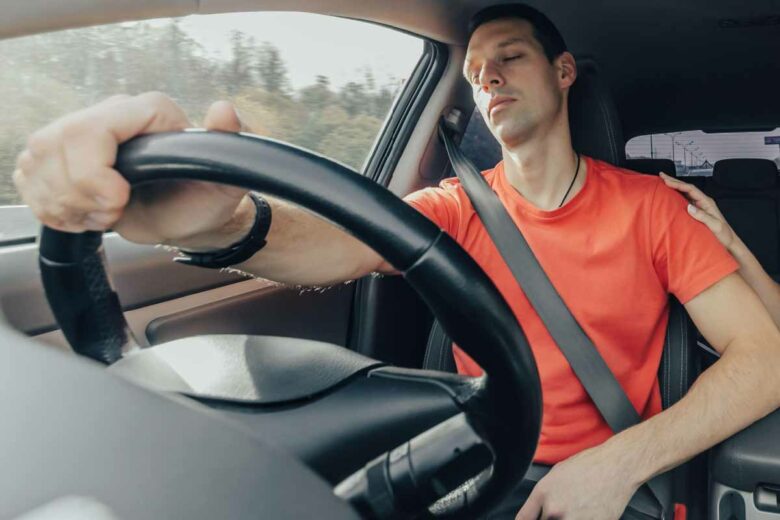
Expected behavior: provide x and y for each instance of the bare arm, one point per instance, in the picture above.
(301, 249)
(740, 388)
(704, 209)
(67, 178)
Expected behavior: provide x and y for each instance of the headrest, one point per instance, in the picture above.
(745, 174)
(595, 126)
(652, 166)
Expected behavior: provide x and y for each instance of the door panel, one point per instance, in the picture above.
(269, 310)
(164, 300)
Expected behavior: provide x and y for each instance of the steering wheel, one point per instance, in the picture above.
(503, 406)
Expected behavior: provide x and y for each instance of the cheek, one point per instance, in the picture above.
(481, 99)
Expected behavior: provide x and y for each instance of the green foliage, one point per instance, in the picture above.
(46, 76)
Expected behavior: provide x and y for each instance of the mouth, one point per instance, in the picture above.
(498, 103)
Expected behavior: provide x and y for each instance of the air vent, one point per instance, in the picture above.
(747, 23)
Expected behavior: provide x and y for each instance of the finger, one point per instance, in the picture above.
(123, 117)
(702, 216)
(690, 190)
(100, 220)
(87, 160)
(222, 116)
(532, 509)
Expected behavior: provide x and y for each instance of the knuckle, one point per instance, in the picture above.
(57, 209)
(39, 142)
(157, 99)
(165, 111)
(116, 97)
(116, 199)
(74, 129)
(25, 161)
(81, 180)
(18, 179)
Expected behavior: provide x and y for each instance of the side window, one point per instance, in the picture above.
(322, 83)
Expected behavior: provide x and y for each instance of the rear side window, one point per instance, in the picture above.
(695, 152)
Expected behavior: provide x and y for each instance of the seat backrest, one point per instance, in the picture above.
(748, 195)
(652, 166)
(676, 373)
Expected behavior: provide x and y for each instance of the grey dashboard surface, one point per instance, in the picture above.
(72, 429)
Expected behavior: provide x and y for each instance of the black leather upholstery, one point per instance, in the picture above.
(652, 166)
(593, 118)
(677, 371)
(745, 174)
(748, 195)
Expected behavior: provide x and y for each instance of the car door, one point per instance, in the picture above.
(342, 88)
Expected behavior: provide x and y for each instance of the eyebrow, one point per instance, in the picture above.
(501, 45)
(510, 41)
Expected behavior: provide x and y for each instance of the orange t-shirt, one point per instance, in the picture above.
(614, 252)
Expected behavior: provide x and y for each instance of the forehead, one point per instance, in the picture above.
(492, 34)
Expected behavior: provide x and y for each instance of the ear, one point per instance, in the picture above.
(566, 68)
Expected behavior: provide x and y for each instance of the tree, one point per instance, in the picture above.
(48, 75)
(238, 72)
(353, 98)
(272, 70)
(318, 96)
(350, 143)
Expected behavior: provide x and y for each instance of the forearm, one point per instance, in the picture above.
(301, 248)
(754, 274)
(740, 388)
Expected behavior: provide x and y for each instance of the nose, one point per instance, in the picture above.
(490, 77)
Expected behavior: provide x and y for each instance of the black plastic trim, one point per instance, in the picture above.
(406, 112)
(404, 116)
(749, 458)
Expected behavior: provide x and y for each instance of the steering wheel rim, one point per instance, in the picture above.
(506, 402)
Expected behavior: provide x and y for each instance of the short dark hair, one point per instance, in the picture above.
(545, 31)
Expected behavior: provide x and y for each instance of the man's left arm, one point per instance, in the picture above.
(740, 388)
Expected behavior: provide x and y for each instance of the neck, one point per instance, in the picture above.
(542, 168)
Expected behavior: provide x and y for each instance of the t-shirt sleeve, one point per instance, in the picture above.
(687, 256)
(440, 205)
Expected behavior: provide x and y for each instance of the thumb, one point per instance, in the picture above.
(222, 116)
(532, 509)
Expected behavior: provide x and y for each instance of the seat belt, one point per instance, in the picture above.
(590, 368)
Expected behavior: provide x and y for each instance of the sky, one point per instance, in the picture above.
(314, 44)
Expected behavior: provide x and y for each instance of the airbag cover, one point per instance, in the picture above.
(240, 368)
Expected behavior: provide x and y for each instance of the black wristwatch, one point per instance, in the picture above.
(240, 251)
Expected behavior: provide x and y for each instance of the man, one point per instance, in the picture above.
(613, 243)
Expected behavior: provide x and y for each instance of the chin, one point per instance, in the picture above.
(513, 134)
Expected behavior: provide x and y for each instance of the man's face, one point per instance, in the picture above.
(515, 86)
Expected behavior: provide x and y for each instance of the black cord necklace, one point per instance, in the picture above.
(576, 172)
